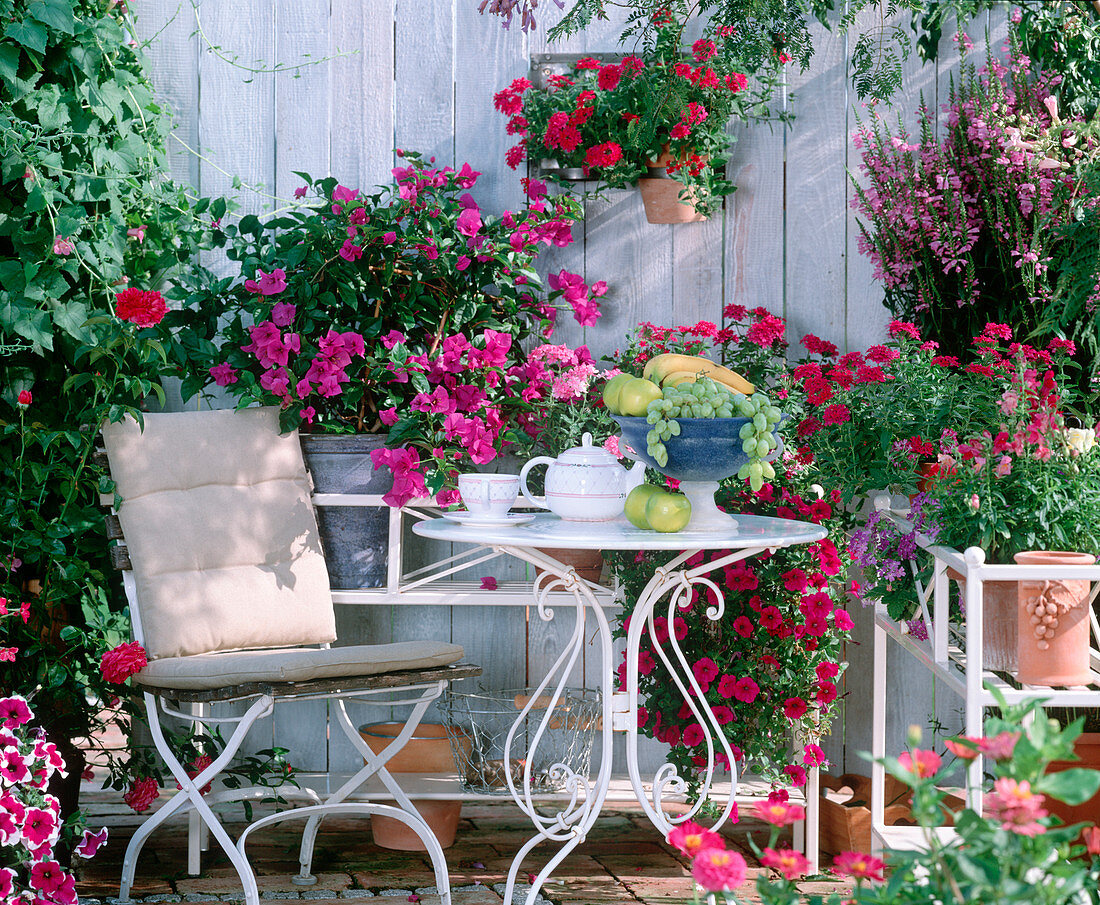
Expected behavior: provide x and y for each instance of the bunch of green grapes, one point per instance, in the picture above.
(706, 398)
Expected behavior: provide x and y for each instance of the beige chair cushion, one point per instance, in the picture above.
(296, 665)
(221, 532)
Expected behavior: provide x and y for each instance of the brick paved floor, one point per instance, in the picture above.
(624, 860)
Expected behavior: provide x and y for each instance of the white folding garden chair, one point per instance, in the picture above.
(229, 596)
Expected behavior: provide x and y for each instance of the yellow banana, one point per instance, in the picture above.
(661, 366)
(675, 378)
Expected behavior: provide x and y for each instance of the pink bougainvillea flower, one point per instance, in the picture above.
(118, 664)
(14, 711)
(718, 870)
(488, 583)
(691, 838)
(224, 374)
(779, 813)
(922, 763)
(342, 194)
(282, 314)
(137, 306)
(785, 861)
(271, 283)
(63, 246)
(469, 222)
(859, 865)
(142, 793)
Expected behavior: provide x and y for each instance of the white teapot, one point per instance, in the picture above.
(585, 483)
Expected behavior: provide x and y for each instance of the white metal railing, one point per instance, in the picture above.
(953, 650)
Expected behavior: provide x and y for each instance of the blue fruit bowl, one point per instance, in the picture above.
(707, 449)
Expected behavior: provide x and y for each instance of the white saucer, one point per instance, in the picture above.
(478, 520)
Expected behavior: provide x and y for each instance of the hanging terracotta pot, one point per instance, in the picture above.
(1054, 623)
(428, 751)
(661, 193)
(588, 564)
(1000, 625)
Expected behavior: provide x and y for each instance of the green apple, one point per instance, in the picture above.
(636, 395)
(611, 391)
(667, 512)
(636, 502)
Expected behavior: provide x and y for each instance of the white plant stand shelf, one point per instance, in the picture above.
(670, 586)
(953, 654)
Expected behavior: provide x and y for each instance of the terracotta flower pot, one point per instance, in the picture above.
(429, 751)
(1087, 747)
(1000, 624)
(588, 564)
(661, 197)
(1054, 623)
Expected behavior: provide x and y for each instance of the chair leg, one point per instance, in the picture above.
(374, 765)
(189, 795)
(195, 842)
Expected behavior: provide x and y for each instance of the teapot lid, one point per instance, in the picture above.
(587, 454)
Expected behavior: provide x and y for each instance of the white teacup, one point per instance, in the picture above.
(490, 495)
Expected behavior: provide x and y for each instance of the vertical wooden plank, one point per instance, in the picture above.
(635, 258)
(816, 192)
(361, 142)
(753, 247)
(237, 116)
(173, 55)
(424, 78)
(302, 96)
(486, 59)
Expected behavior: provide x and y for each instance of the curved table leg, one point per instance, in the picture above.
(569, 826)
(678, 583)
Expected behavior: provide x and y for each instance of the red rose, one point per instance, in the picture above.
(142, 793)
(25, 397)
(119, 664)
(140, 307)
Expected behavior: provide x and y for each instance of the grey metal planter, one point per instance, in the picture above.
(355, 538)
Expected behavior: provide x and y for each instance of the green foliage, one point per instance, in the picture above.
(764, 31)
(1010, 853)
(81, 163)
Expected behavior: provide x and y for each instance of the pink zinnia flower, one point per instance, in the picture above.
(789, 863)
(920, 762)
(779, 813)
(691, 838)
(718, 870)
(859, 865)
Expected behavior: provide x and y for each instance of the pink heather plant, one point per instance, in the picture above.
(969, 228)
(30, 818)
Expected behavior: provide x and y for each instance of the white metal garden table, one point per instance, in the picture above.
(748, 536)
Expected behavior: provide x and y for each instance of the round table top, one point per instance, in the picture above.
(548, 530)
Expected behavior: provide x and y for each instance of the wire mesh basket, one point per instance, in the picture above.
(478, 724)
